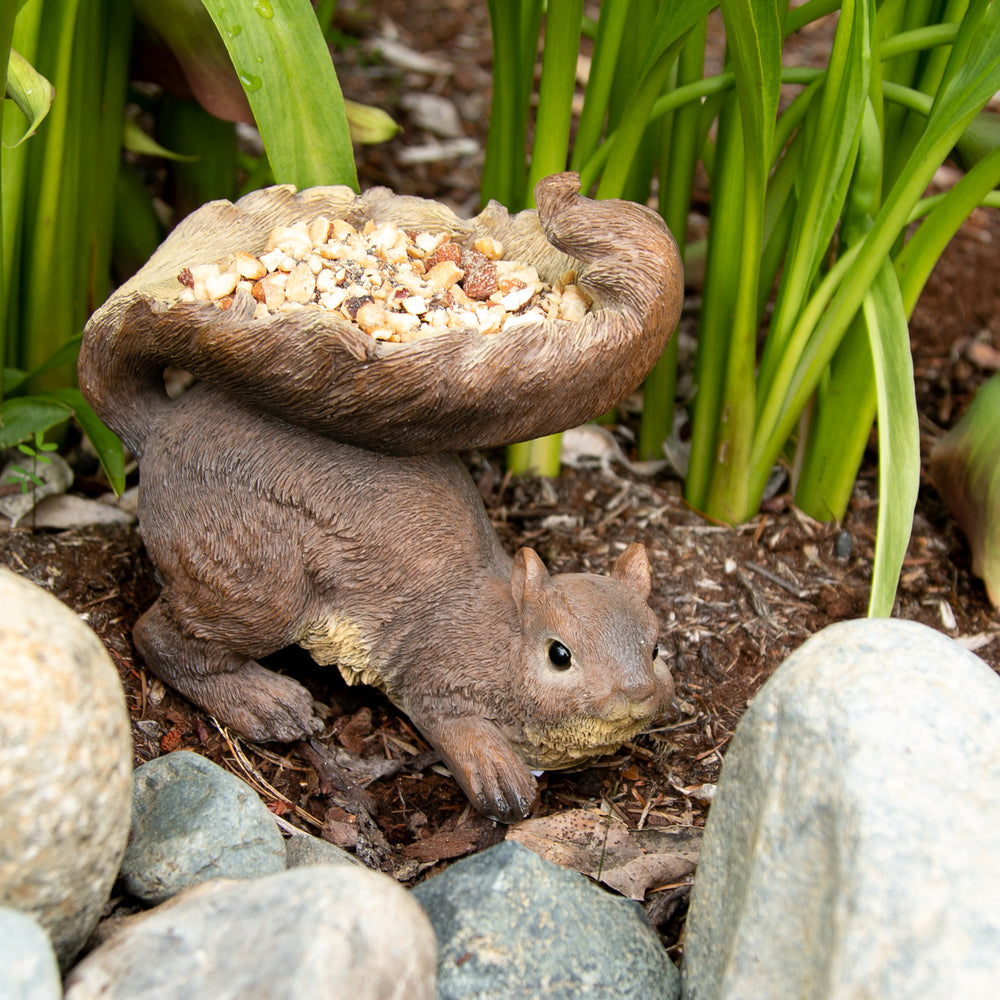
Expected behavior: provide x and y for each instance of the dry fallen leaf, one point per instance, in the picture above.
(602, 847)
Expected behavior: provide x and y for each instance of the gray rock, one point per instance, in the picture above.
(510, 924)
(65, 765)
(193, 821)
(324, 931)
(302, 850)
(851, 846)
(28, 963)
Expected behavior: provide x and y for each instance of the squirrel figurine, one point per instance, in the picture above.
(273, 521)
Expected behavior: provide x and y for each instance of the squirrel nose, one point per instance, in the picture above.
(637, 699)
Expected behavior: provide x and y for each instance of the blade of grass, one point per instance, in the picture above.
(6, 37)
(830, 455)
(636, 43)
(106, 444)
(108, 71)
(550, 147)
(678, 163)
(834, 133)
(973, 76)
(504, 175)
(14, 169)
(718, 301)
(753, 31)
(923, 71)
(611, 26)
(279, 54)
(898, 435)
(674, 20)
(916, 260)
(51, 245)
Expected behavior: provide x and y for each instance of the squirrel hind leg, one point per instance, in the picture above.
(238, 691)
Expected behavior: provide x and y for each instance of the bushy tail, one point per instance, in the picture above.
(121, 376)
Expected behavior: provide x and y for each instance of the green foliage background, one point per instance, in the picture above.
(816, 177)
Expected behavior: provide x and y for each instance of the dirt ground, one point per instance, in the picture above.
(733, 603)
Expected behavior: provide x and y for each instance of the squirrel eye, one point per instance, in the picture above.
(559, 655)
(656, 650)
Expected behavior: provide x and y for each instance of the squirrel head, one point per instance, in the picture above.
(591, 673)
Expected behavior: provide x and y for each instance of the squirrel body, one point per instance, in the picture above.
(390, 568)
(306, 490)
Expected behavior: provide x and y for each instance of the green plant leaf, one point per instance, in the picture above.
(106, 444)
(753, 33)
(13, 379)
(23, 416)
(137, 141)
(610, 29)
(515, 25)
(718, 303)
(674, 20)
(282, 60)
(832, 137)
(972, 77)
(916, 260)
(550, 147)
(29, 90)
(898, 435)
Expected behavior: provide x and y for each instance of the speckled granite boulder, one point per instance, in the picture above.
(316, 932)
(512, 925)
(28, 967)
(851, 849)
(193, 821)
(65, 765)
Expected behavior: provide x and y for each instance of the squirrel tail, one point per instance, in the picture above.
(121, 377)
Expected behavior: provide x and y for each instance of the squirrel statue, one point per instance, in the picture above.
(299, 493)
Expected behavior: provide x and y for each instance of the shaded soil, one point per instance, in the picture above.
(733, 603)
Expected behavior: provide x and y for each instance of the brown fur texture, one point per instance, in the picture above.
(267, 532)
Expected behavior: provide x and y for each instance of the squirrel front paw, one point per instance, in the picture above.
(484, 764)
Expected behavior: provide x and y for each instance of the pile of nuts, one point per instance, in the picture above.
(394, 284)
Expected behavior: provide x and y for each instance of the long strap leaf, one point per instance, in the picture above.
(898, 435)
(753, 30)
(283, 63)
(973, 76)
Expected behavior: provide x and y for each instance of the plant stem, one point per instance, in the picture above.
(611, 26)
(718, 302)
(504, 175)
(555, 96)
(539, 457)
(678, 163)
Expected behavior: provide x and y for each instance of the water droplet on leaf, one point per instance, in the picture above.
(250, 82)
(235, 30)
(264, 8)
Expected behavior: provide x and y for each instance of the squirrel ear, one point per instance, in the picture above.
(529, 578)
(632, 567)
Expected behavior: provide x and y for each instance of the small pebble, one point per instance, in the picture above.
(843, 545)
